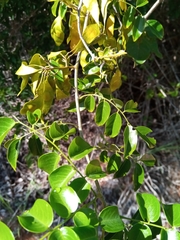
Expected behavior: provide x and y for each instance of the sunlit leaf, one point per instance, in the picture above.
(148, 159)
(130, 141)
(5, 232)
(93, 7)
(57, 31)
(102, 113)
(64, 233)
(113, 125)
(26, 70)
(90, 103)
(131, 106)
(141, 3)
(110, 219)
(156, 28)
(13, 152)
(94, 170)
(110, 26)
(43, 100)
(169, 234)
(123, 5)
(104, 6)
(129, 16)
(61, 176)
(64, 201)
(37, 219)
(6, 124)
(138, 27)
(79, 148)
(48, 162)
(172, 214)
(114, 163)
(149, 206)
(115, 81)
(81, 187)
(142, 132)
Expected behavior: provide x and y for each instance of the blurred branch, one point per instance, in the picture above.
(151, 10)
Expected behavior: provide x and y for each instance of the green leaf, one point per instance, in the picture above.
(35, 145)
(141, 3)
(102, 113)
(64, 201)
(80, 219)
(54, 8)
(131, 106)
(81, 187)
(128, 17)
(138, 27)
(65, 233)
(104, 156)
(13, 152)
(156, 28)
(113, 125)
(94, 171)
(79, 148)
(142, 132)
(62, 10)
(139, 50)
(148, 160)
(170, 234)
(5, 232)
(55, 131)
(48, 162)
(118, 103)
(6, 124)
(90, 219)
(155, 230)
(114, 163)
(138, 176)
(149, 206)
(86, 232)
(37, 219)
(61, 176)
(130, 141)
(110, 220)
(33, 117)
(90, 103)
(172, 214)
(140, 232)
(123, 169)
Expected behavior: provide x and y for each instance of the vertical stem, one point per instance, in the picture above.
(77, 94)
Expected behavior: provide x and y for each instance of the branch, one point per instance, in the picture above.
(151, 10)
(79, 30)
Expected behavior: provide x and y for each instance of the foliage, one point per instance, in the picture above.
(98, 35)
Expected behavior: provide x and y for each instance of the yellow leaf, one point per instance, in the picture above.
(91, 32)
(26, 70)
(93, 7)
(43, 99)
(63, 90)
(123, 5)
(116, 81)
(83, 60)
(57, 31)
(104, 5)
(110, 26)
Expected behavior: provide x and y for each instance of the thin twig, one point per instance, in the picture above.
(151, 10)
(79, 30)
